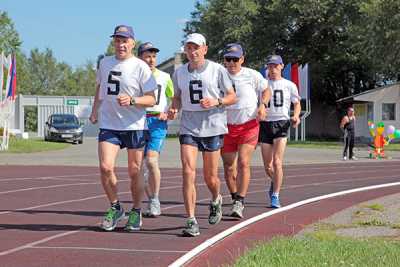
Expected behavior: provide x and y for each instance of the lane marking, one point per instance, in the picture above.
(213, 240)
(110, 249)
(13, 250)
(270, 213)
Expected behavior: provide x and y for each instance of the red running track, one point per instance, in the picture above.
(49, 215)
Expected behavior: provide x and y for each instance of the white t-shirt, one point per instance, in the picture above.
(284, 92)
(211, 80)
(164, 92)
(132, 77)
(249, 85)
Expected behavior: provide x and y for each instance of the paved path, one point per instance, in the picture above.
(86, 155)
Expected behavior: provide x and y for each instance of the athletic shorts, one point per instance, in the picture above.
(134, 139)
(157, 134)
(270, 130)
(209, 144)
(239, 134)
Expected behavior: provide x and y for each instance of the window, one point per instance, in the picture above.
(388, 111)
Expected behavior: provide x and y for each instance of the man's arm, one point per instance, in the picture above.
(296, 114)
(344, 120)
(147, 100)
(265, 97)
(95, 106)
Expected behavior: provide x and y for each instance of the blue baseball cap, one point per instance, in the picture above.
(147, 46)
(274, 59)
(233, 50)
(123, 31)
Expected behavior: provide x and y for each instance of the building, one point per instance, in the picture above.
(377, 105)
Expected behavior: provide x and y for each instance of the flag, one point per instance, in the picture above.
(287, 72)
(1, 76)
(12, 87)
(294, 74)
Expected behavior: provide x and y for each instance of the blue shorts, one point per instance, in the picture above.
(209, 144)
(158, 132)
(125, 139)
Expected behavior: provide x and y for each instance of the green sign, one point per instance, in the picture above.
(72, 102)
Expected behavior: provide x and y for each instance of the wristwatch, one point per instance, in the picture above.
(219, 102)
(133, 102)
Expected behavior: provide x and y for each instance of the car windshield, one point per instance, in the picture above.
(64, 120)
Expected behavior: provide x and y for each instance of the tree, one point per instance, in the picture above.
(9, 38)
(331, 35)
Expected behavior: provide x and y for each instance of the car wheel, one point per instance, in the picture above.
(80, 141)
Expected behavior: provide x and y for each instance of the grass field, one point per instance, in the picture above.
(323, 249)
(32, 145)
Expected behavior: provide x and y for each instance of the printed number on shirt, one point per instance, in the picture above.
(278, 99)
(113, 90)
(158, 94)
(195, 94)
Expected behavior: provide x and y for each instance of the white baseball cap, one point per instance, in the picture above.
(196, 38)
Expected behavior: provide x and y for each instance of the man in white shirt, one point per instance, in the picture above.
(156, 118)
(202, 89)
(125, 87)
(274, 130)
(243, 125)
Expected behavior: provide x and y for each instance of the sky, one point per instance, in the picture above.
(78, 31)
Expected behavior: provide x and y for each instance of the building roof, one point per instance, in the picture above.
(353, 98)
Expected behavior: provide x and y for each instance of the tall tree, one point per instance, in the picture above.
(9, 38)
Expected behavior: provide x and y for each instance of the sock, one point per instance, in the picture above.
(240, 198)
(116, 205)
(276, 194)
(155, 197)
(137, 210)
(233, 195)
(193, 219)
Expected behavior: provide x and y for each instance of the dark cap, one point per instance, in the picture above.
(233, 50)
(123, 31)
(274, 59)
(147, 46)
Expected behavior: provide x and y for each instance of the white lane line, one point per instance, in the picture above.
(46, 177)
(13, 250)
(167, 208)
(213, 240)
(110, 249)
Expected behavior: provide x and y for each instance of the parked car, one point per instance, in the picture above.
(63, 127)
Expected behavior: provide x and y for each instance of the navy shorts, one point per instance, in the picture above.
(134, 139)
(270, 130)
(209, 144)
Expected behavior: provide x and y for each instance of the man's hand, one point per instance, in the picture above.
(172, 113)
(261, 113)
(93, 117)
(124, 100)
(295, 121)
(208, 102)
(163, 116)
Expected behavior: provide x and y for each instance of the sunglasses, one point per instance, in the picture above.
(234, 59)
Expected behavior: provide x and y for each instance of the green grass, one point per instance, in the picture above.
(316, 144)
(376, 207)
(323, 249)
(32, 145)
(373, 222)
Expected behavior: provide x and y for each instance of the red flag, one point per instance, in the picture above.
(295, 74)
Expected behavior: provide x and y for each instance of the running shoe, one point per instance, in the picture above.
(275, 202)
(153, 209)
(111, 218)
(215, 211)
(134, 221)
(192, 228)
(237, 209)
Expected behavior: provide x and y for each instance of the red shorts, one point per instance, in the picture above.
(239, 134)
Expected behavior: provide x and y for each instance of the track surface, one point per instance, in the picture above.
(49, 215)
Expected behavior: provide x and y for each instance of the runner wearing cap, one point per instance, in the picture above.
(202, 89)
(274, 130)
(243, 125)
(157, 124)
(125, 87)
